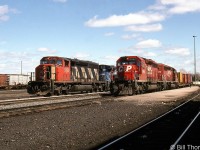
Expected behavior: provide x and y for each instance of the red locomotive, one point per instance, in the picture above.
(137, 75)
(59, 75)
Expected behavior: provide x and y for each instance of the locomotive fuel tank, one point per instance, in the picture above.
(81, 88)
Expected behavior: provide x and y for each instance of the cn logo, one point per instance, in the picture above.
(121, 68)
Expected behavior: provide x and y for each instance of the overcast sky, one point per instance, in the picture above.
(98, 30)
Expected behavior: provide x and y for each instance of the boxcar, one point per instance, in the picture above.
(13, 81)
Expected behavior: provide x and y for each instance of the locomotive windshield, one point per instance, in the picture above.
(105, 68)
(51, 61)
(127, 61)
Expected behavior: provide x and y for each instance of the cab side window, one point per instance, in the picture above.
(59, 62)
(66, 63)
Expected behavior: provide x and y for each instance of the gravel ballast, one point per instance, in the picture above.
(85, 127)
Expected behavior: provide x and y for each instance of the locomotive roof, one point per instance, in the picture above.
(149, 61)
(77, 61)
(140, 58)
(166, 66)
(81, 62)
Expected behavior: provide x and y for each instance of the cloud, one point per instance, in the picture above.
(140, 48)
(149, 54)
(46, 50)
(178, 51)
(150, 43)
(4, 10)
(130, 36)
(181, 6)
(157, 7)
(108, 59)
(81, 55)
(109, 34)
(114, 58)
(60, 1)
(10, 61)
(124, 20)
(138, 52)
(43, 49)
(189, 61)
(145, 28)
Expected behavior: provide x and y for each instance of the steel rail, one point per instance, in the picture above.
(107, 145)
(31, 102)
(51, 97)
(187, 128)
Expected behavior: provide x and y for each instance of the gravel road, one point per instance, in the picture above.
(82, 127)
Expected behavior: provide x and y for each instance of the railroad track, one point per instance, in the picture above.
(26, 105)
(172, 130)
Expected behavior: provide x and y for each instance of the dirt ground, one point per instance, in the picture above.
(85, 127)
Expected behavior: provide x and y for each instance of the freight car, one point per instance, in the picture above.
(59, 75)
(13, 81)
(184, 79)
(138, 75)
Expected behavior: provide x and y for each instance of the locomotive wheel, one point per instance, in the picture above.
(92, 90)
(95, 88)
(116, 93)
(65, 92)
(58, 91)
(130, 90)
(139, 90)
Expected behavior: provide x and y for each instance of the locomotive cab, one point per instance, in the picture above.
(130, 68)
(53, 68)
(130, 71)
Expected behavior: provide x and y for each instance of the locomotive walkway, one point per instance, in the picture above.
(88, 126)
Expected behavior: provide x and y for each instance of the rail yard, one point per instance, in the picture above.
(79, 104)
(91, 120)
(99, 75)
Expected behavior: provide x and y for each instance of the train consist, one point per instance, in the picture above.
(138, 75)
(14, 81)
(132, 75)
(59, 75)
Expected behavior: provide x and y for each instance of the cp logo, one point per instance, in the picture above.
(121, 68)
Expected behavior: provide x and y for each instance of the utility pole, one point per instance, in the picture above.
(21, 67)
(194, 59)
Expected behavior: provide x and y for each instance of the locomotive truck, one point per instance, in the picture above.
(60, 75)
